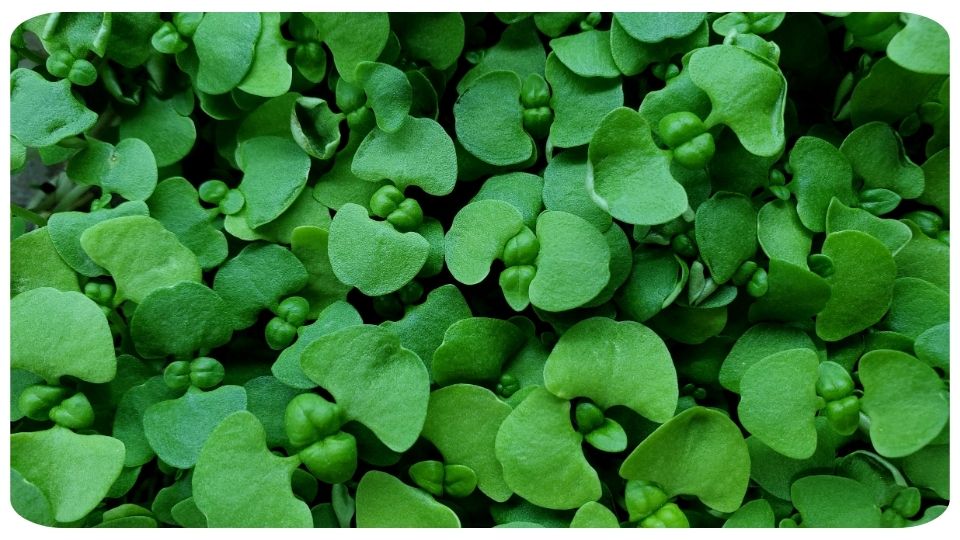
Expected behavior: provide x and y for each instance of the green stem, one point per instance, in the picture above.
(28, 215)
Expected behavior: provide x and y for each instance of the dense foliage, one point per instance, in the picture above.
(441, 270)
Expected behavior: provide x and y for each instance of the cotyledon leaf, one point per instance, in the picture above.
(489, 120)
(781, 233)
(176, 204)
(629, 365)
(726, 231)
(699, 452)
(269, 74)
(34, 262)
(418, 152)
(238, 482)
(579, 103)
(74, 472)
(474, 350)
(275, 171)
(778, 402)
(128, 169)
(834, 501)
(594, 515)
(42, 113)
(573, 264)
(80, 344)
(385, 501)
(140, 254)
(656, 27)
(894, 234)
(876, 154)
(336, 316)
(469, 439)
(66, 228)
(388, 91)
(177, 429)
(759, 342)
(628, 175)
(310, 245)
(541, 454)
(477, 236)
(180, 320)
(376, 381)
(423, 326)
(225, 44)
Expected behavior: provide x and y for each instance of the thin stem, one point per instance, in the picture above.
(28, 215)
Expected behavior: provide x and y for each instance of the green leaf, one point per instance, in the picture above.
(385, 501)
(564, 189)
(698, 452)
(834, 501)
(775, 472)
(176, 204)
(916, 307)
(140, 254)
(270, 74)
(66, 228)
(43, 113)
(936, 191)
(922, 46)
(782, 235)
(628, 175)
(474, 350)
(905, 400)
(352, 38)
(573, 265)
(933, 346)
(587, 54)
(794, 293)
(179, 321)
(79, 344)
(238, 482)
(28, 501)
(541, 454)
(726, 230)
(267, 399)
(419, 153)
(423, 326)
(523, 190)
(258, 278)
(593, 515)
(371, 255)
(168, 132)
(657, 278)
(629, 365)
(469, 439)
(579, 104)
(274, 173)
(377, 382)
(929, 468)
(489, 120)
(51, 460)
(309, 244)
(755, 514)
(924, 258)
(34, 263)
(128, 169)
(861, 286)
(477, 236)
(656, 27)
(894, 234)
(876, 154)
(519, 50)
(889, 93)
(436, 38)
(755, 116)
(225, 45)
(388, 91)
(778, 402)
(128, 421)
(757, 343)
(336, 316)
(177, 429)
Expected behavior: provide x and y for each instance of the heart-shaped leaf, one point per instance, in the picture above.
(258, 278)
(894, 234)
(376, 381)
(73, 472)
(128, 421)
(128, 169)
(778, 402)
(477, 236)
(140, 254)
(179, 321)
(310, 245)
(388, 91)
(474, 350)
(225, 45)
(593, 515)
(371, 255)
(66, 228)
(418, 153)
(755, 116)
(573, 265)
(889, 93)
(698, 452)
(924, 258)
(167, 130)
(43, 113)
(775, 472)
(352, 37)
(834, 501)
(564, 189)
(656, 27)
(579, 103)
(861, 286)
(177, 429)
(336, 316)
(270, 74)
(238, 482)
(657, 278)
(489, 120)
(916, 307)
(385, 501)
(759, 342)
(79, 345)
(541, 454)
(34, 262)
(794, 293)
(782, 235)
(176, 204)
(587, 54)
(726, 230)
(436, 38)
(876, 154)
(519, 50)
(922, 46)
(628, 175)
(469, 439)
(905, 400)
(274, 173)
(630, 366)
(756, 514)
(523, 190)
